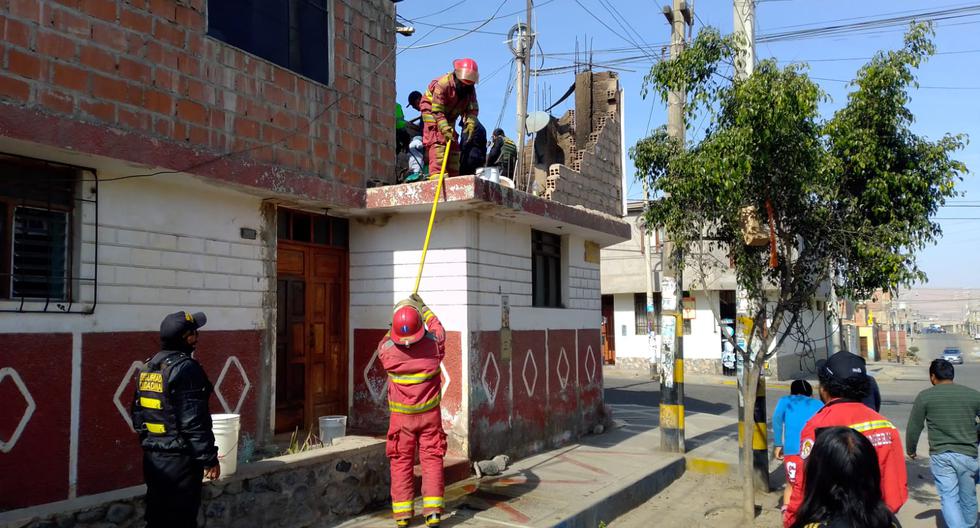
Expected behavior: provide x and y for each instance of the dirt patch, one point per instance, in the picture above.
(697, 500)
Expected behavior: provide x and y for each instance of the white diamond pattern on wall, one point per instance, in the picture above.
(491, 386)
(8, 372)
(590, 364)
(563, 362)
(232, 360)
(378, 386)
(123, 410)
(530, 361)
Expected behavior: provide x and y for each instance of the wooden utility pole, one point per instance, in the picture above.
(672, 284)
(647, 251)
(744, 14)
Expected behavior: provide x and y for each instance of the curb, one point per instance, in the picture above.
(626, 497)
(733, 383)
(708, 466)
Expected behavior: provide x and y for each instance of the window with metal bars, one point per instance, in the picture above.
(640, 313)
(294, 34)
(37, 206)
(546, 270)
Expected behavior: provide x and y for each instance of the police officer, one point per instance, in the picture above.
(170, 414)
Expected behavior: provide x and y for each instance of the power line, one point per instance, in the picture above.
(611, 30)
(920, 86)
(457, 37)
(439, 12)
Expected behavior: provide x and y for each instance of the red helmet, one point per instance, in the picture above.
(466, 71)
(406, 326)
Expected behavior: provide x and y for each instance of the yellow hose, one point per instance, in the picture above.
(432, 218)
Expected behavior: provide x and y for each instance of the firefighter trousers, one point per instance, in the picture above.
(173, 489)
(406, 433)
(435, 148)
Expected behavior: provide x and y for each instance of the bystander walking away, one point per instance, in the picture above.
(950, 411)
(843, 484)
(791, 414)
(843, 384)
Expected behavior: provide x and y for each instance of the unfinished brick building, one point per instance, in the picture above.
(163, 155)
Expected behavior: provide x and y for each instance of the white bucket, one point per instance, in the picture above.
(489, 174)
(226, 428)
(332, 428)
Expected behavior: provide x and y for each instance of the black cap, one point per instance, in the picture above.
(841, 366)
(178, 325)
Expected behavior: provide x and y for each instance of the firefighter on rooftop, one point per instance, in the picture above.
(449, 98)
(411, 354)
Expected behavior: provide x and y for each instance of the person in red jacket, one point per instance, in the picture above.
(843, 384)
(411, 353)
(450, 98)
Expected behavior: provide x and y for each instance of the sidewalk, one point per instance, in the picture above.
(583, 484)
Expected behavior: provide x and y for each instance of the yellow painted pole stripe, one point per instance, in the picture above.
(678, 371)
(759, 441)
(672, 416)
(432, 218)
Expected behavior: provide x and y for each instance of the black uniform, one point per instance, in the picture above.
(171, 416)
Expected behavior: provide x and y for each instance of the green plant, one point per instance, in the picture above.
(312, 442)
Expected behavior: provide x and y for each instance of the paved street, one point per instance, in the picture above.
(899, 385)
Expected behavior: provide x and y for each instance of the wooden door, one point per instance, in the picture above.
(608, 332)
(326, 321)
(311, 335)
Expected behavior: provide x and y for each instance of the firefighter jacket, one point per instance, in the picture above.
(414, 376)
(442, 105)
(170, 408)
(883, 436)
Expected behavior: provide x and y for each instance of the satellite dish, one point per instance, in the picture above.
(536, 121)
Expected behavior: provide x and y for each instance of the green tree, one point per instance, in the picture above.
(849, 197)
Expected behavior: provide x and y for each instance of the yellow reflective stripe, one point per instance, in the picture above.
(428, 118)
(150, 403)
(155, 428)
(432, 502)
(436, 107)
(411, 379)
(427, 315)
(874, 424)
(414, 409)
(401, 507)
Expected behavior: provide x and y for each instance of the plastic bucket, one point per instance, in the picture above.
(489, 174)
(332, 428)
(226, 428)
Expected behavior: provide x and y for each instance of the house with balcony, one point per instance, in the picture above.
(199, 155)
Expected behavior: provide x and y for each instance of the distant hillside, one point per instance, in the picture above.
(941, 304)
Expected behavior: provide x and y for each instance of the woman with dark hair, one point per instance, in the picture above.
(843, 488)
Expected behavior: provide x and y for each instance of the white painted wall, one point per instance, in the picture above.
(165, 244)
(630, 345)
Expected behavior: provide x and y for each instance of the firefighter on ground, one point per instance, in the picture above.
(170, 414)
(449, 98)
(411, 354)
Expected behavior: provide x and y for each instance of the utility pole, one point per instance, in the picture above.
(672, 284)
(523, 60)
(744, 12)
(647, 250)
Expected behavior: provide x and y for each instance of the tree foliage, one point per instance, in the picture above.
(849, 197)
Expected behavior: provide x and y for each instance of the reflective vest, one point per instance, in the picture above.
(414, 378)
(154, 419)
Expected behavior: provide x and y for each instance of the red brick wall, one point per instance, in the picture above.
(144, 70)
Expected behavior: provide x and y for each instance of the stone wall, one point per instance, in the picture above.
(317, 488)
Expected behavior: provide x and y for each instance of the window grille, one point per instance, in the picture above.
(44, 209)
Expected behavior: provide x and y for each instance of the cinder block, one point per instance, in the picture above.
(188, 279)
(228, 265)
(115, 255)
(107, 235)
(252, 268)
(216, 281)
(250, 299)
(149, 258)
(245, 251)
(190, 244)
(114, 294)
(130, 276)
(127, 237)
(162, 241)
(215, 247)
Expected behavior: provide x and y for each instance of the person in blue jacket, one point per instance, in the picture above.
(791, 414)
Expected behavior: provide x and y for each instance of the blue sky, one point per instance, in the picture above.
(947, 100)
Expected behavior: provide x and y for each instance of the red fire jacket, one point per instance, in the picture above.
(442, 105)
(876, 428)
(414, 378)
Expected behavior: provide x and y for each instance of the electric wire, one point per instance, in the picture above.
(457, 37)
